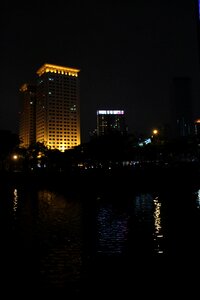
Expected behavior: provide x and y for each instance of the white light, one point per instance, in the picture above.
(110, 112)
(15, 200)
(198, 199)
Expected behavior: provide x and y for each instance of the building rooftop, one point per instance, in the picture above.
(46, 68)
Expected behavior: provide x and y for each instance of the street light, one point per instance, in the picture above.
(155, 135)
(155, 131)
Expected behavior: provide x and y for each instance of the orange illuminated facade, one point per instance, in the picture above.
(27, 128)
(58, 107)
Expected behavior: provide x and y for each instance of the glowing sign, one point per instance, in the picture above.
(110, 112)
(199, 7)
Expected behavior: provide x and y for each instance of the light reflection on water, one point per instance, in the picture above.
(144, 207)
(149, 222)
(15, 200)
(112, 230)
(52, 224)
(59, 231)
(198, 199)
(158, 236)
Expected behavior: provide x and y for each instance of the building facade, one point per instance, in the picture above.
(181, 107)
(110, 121)
(58, 107)
(27, 124)
(197, 127)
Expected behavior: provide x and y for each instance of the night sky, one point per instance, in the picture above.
(128, 54)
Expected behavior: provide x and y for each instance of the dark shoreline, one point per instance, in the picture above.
(150, 177)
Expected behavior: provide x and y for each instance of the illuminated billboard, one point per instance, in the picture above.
(110, 112)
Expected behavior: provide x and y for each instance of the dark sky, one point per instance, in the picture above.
(127, 52)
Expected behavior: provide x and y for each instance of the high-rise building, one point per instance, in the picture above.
(197, 15)
(58, 107)
(197, 127)
(27, 115)
(181, 107)
(110, 121)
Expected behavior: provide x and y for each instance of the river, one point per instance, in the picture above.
(73, 238)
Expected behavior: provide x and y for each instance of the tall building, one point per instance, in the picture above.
(197, 15)
(197, 10)
(58, 107)
(181, 107)
(27, 124)
(197, 127)
(110, 121)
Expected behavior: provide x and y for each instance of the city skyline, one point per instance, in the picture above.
(128, 55)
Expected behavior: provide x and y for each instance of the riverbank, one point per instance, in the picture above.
(145, 176)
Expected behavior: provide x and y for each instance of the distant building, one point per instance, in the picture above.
(196, 4)
(181, 107)
(197, 127)
(58, 107)
(110, 121)
(27, 125)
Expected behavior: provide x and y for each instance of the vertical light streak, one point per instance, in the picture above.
(158, 236)
(15, 200)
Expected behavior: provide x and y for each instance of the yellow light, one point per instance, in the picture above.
(24, 87)
(15, 156)
(155, 131)
(54, 68)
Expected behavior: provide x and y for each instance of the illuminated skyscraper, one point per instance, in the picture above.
(27, 115)
(110, 121)
(58, 107)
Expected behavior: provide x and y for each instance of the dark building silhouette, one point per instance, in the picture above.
(197, 127)
(110, 121)
(181, 107)
(27, 124)
(197, 16)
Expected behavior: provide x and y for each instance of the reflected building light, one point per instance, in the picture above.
(157, 219)
(158, 236)
(112, 231)
(144, 207)
(15, 200)
(198, 199)
(46, 197)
